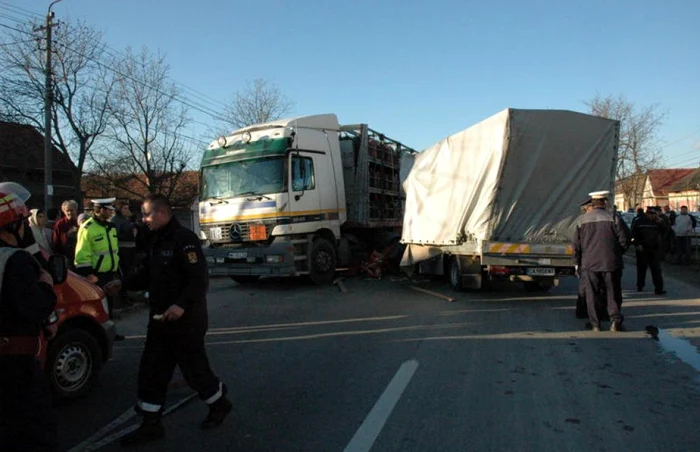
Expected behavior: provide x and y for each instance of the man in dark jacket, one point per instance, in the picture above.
(648, 236)
(27, 421)
(177, 279)
(600, 241)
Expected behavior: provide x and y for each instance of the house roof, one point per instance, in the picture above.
(663, 179)
(690, 182)
(22, 146)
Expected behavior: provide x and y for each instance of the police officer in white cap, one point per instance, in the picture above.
(97, 250)
(600, 240)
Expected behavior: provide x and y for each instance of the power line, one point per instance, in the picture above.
(19, 10)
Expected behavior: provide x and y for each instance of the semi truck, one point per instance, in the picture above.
(499, 200)
(299, 196)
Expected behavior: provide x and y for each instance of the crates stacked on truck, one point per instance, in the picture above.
(371, 169)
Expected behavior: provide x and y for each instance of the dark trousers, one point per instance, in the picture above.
(27, 419)
(683, 249)
(582, 304)
(102, 279)
(168, 345)
(652, 261)
(603, 288)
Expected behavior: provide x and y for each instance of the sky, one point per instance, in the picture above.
(417, 71)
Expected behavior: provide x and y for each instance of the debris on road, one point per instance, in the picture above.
(339, 282)
(435, 294)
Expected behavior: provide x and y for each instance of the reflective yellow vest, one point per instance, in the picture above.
(97, 247)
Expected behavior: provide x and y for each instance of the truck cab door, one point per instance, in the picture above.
(304, 197)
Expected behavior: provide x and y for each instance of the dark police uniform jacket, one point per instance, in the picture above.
(600, 241)
(175, 272)
(648, 234)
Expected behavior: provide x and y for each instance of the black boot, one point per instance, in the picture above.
(217, 413)
(151, 429)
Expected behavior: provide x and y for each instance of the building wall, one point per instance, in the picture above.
(690, 198)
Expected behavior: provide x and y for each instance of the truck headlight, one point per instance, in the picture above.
(274, 259)
(105, 305)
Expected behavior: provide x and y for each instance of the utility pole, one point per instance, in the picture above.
(48, 99)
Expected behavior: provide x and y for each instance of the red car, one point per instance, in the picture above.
(83, 342)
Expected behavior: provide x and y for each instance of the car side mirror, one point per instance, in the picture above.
(58, 268)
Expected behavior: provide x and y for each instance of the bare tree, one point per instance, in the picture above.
(145, 151)
(260, 101)
(639, 150)
(81, 87)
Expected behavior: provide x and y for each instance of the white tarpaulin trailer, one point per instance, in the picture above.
(517, 178)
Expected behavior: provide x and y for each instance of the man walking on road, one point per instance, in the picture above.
(177, 279)
(684, 228)
(599, 243)
(647, 236)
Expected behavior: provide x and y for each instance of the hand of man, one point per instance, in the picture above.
(45, 276)
(113, 287)
(50, 331)
(576, 271)
(92, 278)
(174, 312)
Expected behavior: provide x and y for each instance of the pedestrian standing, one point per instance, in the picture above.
(176, 277)
(65, 231)
(97, 250)
(27, 419)
(647, 237)
(37, 223)
(599, 243)
(684, 229)
(126, 232)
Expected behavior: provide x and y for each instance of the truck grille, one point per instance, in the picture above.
(233, 232)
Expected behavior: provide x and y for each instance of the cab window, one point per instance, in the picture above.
(303, 174)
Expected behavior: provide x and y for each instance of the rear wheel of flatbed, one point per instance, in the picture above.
(455, 274)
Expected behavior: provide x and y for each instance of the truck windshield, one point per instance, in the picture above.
(254, 176)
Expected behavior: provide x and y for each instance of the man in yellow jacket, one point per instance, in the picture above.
(97, 250)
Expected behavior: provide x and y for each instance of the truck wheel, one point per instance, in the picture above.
(73, 362)
(322, 261)
(245, 279)
(455, 275)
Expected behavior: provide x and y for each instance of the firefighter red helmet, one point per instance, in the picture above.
(13, 207)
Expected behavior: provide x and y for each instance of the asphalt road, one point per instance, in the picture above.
(387, 368)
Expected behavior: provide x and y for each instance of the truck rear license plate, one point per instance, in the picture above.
(237, 255)
(540, 271)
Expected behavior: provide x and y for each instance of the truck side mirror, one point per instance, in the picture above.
(58, 268)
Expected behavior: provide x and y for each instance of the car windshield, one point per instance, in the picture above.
(255, 176)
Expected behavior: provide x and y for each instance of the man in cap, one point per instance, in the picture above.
(647, 236)
(581, 304)
(97, 250)
(599, 242)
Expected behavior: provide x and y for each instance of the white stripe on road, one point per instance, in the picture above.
(90, 444)
(369, 431)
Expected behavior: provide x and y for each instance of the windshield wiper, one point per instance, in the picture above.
(255, 194)
(219, 199)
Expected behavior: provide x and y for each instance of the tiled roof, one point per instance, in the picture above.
(22, 146)
(690, 182)
(663, 179)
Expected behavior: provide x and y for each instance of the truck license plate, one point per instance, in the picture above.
(215, 233)
(237, 255)
(540, 271)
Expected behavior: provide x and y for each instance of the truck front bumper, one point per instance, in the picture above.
(275, 259)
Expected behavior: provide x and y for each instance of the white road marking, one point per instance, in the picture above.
(90, 444)
(369, 431)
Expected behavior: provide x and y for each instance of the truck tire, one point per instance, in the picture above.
(73, 363)
(322, 261)
(245, 279)
(455, 274)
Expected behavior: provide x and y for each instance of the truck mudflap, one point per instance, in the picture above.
(275, 259)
